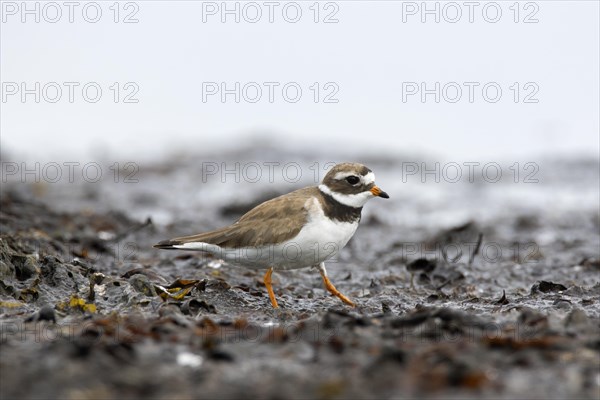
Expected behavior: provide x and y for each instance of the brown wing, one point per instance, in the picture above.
(271, 222)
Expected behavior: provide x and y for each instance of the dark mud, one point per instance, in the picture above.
(89, 310)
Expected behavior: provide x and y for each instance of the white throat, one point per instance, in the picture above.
(350, 200)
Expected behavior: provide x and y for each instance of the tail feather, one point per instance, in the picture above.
(168, 244)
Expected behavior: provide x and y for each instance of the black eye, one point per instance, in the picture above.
(353, 180)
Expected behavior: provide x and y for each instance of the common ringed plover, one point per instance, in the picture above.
(300, 229)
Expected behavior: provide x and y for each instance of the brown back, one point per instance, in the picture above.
(271, 222)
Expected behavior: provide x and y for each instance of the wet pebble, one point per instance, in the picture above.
(46, 313)
(547, 287)
(25, 266)
(142, 284)
(562, 304)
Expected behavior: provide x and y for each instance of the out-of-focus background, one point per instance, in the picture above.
(160, 66)
(125, 123)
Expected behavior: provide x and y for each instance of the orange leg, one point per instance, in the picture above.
(267, 281)
(332, 288)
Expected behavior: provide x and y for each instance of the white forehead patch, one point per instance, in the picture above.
(368, 178)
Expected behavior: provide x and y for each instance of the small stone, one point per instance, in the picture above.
(142, 284)
(46, 313)
(547, 287)
(24, 266)
(562, 304)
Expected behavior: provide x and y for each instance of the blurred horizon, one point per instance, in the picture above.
(278, 149)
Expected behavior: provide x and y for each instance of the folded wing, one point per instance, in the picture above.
(271, 222)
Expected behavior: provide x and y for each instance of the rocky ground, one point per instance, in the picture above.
(89, 310)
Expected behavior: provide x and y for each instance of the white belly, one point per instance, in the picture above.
(315, 243)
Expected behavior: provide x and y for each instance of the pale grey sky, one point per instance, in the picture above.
(375, 61)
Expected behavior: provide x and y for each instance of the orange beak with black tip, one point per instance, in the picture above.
(379, 193)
